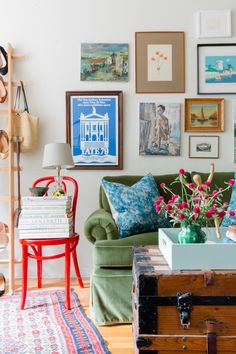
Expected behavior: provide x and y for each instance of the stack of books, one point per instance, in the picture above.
(46, 217)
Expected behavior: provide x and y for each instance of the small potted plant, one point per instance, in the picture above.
(196, 207)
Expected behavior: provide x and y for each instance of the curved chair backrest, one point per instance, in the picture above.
(51, 179)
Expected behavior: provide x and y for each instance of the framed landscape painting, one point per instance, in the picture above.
(94, 129)
(159, 128)
(160, 62)
(217, 68)
(204, 115)
(204, 146)
(104, 62)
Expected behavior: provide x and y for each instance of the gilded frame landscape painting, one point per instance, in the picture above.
(94, 129)
(204, 115)
(216, 68)
(104, 62)
(159, 128)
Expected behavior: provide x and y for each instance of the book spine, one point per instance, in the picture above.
(47, 207)
(41, 215)
(44, 204)
(50, 236)
(46, 199)
(43, 226)
(45, 211)
(45, 230)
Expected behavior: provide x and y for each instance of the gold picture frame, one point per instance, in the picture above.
(204, 114)
(159, 62)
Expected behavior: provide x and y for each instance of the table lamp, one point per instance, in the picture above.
(57, 156)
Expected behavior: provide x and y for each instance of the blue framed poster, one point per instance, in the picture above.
(94, 128)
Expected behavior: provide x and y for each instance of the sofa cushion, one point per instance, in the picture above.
(133, 208)
(231, 220)
(118, 253)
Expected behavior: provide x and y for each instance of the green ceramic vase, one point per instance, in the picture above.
(191, 234)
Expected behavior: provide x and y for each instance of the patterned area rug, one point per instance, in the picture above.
(45, 326)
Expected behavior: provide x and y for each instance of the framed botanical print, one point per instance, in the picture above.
(94, 128)
(160, 62)
(204, 114)
(216, 68)
(204, 146)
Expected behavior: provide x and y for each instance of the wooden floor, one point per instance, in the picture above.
(118, 338)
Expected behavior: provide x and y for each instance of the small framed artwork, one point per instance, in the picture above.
(234, 130)
(159, 128)
(160, 62)
(214, 23)
(104, 62)
(94, 129)
(204, 114)
(204, 146)
(216, 68)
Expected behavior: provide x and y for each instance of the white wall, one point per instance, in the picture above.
(49, 33)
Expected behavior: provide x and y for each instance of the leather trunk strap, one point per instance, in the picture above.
(211, 343)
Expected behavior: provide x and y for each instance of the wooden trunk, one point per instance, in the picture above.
(204, 301)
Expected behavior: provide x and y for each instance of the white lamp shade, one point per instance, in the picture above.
(57, 155)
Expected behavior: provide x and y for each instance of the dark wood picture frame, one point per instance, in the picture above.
(219, 79)
(94, 129)
(160, 62)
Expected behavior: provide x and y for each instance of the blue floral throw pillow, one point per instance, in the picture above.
(231, 220)
(133, 207)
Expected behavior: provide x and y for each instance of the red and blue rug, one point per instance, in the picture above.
(45, 326)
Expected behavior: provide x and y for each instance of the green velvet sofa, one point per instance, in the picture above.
(111, 278)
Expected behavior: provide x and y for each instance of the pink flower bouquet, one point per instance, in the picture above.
(196, 204)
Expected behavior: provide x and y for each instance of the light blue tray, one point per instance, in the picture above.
(210, 255)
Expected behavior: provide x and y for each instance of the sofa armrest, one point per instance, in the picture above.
(100, 226)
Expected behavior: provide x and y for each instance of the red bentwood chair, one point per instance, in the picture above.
(37, 244)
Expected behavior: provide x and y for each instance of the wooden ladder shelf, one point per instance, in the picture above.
(10, 168)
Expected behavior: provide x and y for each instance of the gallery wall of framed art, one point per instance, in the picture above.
(160, 59)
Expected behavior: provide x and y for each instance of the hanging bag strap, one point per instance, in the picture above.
(26, 107)
(17, 98)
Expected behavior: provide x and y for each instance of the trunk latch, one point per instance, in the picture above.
(184, 305)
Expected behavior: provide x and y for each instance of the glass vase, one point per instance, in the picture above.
(191, 234)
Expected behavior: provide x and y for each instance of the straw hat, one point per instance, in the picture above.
(2, 284)
(3, 236)
(4, 144)
(3, 91)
